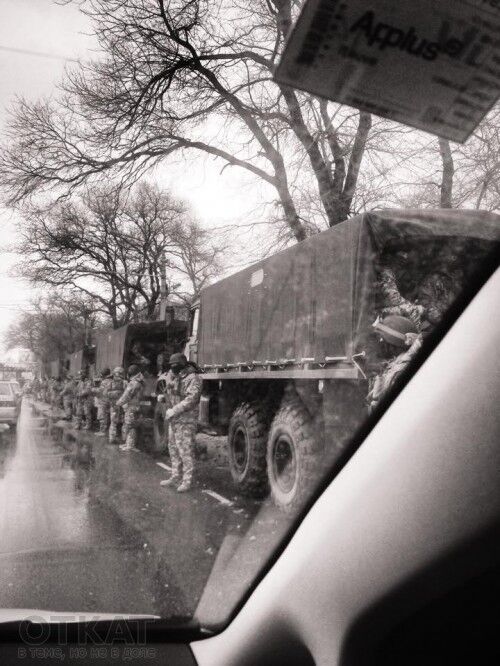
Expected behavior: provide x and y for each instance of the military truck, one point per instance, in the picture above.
(149, 345)
(82, 360)
(286, 345)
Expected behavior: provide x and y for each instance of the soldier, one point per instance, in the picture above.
(113, 392)
(103, 402)
(85, 402)
(78, 403)
(393, 303)
(398, 333)
(183, 391)
(68, 395)
(440, 288)
(131, 403)
(137, 357)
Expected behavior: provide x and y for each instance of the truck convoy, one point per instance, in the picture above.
(286, 346)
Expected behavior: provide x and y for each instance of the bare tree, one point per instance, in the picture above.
(448, 171)
(53, 326)
(111, 246)
(188, 75)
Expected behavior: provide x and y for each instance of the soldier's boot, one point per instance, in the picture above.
(130, 440)
(173, 481)
(185, 486)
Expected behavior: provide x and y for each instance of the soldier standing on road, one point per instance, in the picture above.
(182, 392)
(113, 392)
(103, 401)
(78, 403)
(85, 402)
(398, 333)
(131, 403)
(68, 396)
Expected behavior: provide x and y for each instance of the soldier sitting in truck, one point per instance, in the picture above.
(396, 333)
(137, 357)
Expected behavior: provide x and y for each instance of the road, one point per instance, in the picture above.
(87, 528)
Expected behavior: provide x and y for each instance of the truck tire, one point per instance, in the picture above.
(294, 453)
(247, 441)
(160, 429)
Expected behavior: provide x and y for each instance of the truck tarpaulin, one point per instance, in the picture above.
(317, 299)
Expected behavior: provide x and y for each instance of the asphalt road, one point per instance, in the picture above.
(87, 528)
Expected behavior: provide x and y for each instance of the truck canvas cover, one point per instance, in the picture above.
(81, 360)
(317, 299)
(114, 345)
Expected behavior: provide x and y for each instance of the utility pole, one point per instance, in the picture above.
(163, 285)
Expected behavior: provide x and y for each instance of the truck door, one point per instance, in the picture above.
(191, 348)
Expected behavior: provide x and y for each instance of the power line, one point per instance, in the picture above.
(37, 54)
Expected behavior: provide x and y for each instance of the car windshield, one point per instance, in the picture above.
(211, 279)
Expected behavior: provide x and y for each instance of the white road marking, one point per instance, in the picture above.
(219, 498)
(169, 469)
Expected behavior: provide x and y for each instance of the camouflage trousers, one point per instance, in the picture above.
(115, 419)
(103, 414)
(68, 406)
(131, 418)
(83, 412)
(181, 448)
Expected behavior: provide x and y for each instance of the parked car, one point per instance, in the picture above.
(10, 402)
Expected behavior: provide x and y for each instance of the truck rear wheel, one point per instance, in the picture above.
(294, 450)
(160, 428)
(247, 439)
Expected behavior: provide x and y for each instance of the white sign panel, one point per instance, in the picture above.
(431, 64)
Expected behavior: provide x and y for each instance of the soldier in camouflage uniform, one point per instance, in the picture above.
(440, 287)
(77, 402)
(103, 402)
(393, 303)
(182, 393)
(85, 402)
(114, 391)
(398, 333)
(55, 390)
(131, 403)
(68, 396)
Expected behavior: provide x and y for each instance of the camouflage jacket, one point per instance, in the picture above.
(101, 392)
(438, 291)
(393, 302)
(183, 393)
(114, 390)
(84, 390)
(133, 394)
(69, 388)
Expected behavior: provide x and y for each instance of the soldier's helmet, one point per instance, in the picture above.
(118, 372)
(105, 372)
(133, 370)
(393, 329)
(178, 359)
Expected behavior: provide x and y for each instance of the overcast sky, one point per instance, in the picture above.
(37, 38)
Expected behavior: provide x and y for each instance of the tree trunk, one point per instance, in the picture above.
(448, 173)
